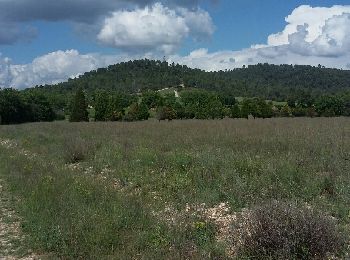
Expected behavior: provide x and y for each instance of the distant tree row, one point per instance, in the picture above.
(32, 106)
(270, 82)
(201, 104)
(20, 107)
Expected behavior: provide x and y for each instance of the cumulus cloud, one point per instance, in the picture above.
(49, 69)
(155, 28)
(313, 35)
(222, 60)
(301, 42)
(14, 13)
(314, 17)
(56, 67)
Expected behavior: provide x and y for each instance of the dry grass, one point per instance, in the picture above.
(147, 166)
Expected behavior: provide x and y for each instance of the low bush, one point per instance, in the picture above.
(282, 230)
(78, 149)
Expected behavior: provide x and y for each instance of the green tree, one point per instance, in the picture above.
(286, 111)
(13, 109)
(235, 111)
(152, 99)
(165, 112)
(79, 107)
(329, 106)
(264, 109)
(143, 112)
(137, 112)
(39, 108)
(101, 105)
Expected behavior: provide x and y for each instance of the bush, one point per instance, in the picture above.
(78, 149)
(280, 230)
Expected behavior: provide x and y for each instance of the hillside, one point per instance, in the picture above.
(273, 82)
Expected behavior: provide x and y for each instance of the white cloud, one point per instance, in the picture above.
(155, 28)
(49, 69)
(55, 67)
(312, 36)
(326, 43)
(15, 13)
(314, 17)
(222, 60)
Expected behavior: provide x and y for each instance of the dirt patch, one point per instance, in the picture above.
(12, 240)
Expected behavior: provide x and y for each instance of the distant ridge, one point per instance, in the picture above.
(275, 82)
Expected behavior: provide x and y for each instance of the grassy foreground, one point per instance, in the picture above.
(147, 189)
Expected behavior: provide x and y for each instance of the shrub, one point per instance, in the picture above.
(164, 113)
(79, 107)
(78, 149)
(281, 230)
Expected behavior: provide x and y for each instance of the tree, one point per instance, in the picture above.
(152, 99)
(39, 108)
(286, 111)
(101, 105)
(143, 112)
(264, 109)
(13, 109)
(299, 111)
(137, 112)
(329, 106)
(235, 111)
(245, 109)
(165, 112)
(79, 107)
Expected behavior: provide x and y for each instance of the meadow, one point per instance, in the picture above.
(170, 190)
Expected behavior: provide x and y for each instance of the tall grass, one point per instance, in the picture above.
(92, 189)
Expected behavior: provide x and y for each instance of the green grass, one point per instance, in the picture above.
(104, 207)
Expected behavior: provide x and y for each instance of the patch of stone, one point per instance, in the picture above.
(12, 239)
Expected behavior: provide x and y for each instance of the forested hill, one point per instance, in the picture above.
(275, 82)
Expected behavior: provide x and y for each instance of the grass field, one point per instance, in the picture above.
(169, 190)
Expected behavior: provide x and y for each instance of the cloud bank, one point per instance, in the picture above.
(312, 36)
(154, 29)
(14, 13)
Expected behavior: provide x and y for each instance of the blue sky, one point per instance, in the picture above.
(74, 36)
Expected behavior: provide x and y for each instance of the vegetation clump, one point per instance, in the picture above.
(284, 230)
(79, 111)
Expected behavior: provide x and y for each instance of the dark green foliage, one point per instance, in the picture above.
(180, 110)
(137, 112)
(346, 100)
(143, 112)
(40, 110)
(152, 99)
(203, 95)
(20, 107)
(280, 230)
(79, 107)
(201, 104)
(101, 105)
(299, 111)
(299, 84)
(13, 109)
(166, 113)
(286, 111)
(236, 111)
(329, 106)
(256, 107)
(227, 99)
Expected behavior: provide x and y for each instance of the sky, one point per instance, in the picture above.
(47, 41)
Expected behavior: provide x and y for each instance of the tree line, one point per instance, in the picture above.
(270, 82)
(103, 105)
(201, 104)
(20, 107)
